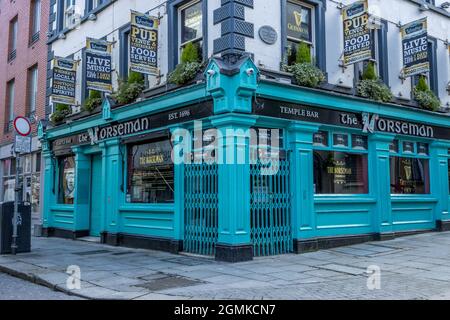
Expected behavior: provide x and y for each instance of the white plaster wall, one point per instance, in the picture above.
(268, 12)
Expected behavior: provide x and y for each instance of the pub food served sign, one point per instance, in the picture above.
(144, 43)
(357, 38)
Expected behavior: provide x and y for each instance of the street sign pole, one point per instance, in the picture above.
(16, 206)
(22, 144)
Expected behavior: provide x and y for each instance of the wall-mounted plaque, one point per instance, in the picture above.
(268, 35)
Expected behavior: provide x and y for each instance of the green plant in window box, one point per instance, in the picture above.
(130, 89)
(304, 71)
(425, 97)
(60, 113)
(93, 101)
(372, 87)
(189, 67)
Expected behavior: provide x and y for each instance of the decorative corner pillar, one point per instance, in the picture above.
(232, 84)
(302, 186)
(439, 181)
(380, 183)
(178, 224)
(81, 208)
(234, 241)
(48, 176)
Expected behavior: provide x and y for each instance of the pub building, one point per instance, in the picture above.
(328, 168)
(350, 170)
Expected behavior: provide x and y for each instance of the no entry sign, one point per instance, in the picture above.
(22, 141)
(22, 126)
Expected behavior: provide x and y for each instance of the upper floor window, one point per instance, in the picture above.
(299, 29)
(191, 25)
(67, 15)
(10, 103)
(32, 89)
(379, 53)
(13, 30)
(432, 76)
(35, 20)
(93, 4)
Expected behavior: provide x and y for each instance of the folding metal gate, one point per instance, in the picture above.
(270, 210)
(201, 208)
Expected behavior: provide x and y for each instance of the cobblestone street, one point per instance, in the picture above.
(414, 267)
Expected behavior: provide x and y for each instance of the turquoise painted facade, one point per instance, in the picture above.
(225, 202)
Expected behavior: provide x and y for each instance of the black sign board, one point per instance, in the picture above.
(134, 126)
(98, 65)
(365, 122)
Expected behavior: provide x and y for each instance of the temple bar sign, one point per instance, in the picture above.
(368, 123)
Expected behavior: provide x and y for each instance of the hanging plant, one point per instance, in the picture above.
(189, 67)
(425, 97)
(93, 101)
(372, 87)
(304, 71)
(60, 113)
(130, 89)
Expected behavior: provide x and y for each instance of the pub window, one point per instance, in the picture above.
(408, 147)
(393, 146)
(299, 29)
(340, 172)
(320, 139)
(410, 169)
(150, 173)
(409, 176)
(340, 140)
(66, 186)
(191, 26)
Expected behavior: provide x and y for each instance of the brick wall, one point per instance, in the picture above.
(27, 56)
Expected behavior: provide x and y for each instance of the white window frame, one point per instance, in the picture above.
(11, 86)
(14, 25)
(181, 45)
(33, 73)
(36, 12)
(311, 43)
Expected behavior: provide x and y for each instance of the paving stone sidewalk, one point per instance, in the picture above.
(414, 267)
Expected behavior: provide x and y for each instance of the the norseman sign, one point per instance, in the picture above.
(368, 123)
(134, 126)
(375, 123)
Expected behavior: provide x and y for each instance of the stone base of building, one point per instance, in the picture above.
(311, 245)
(65, 234)
(229, 253)
(443, 226)
(141, 242)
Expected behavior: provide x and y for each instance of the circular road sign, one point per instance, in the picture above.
(22, 126)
